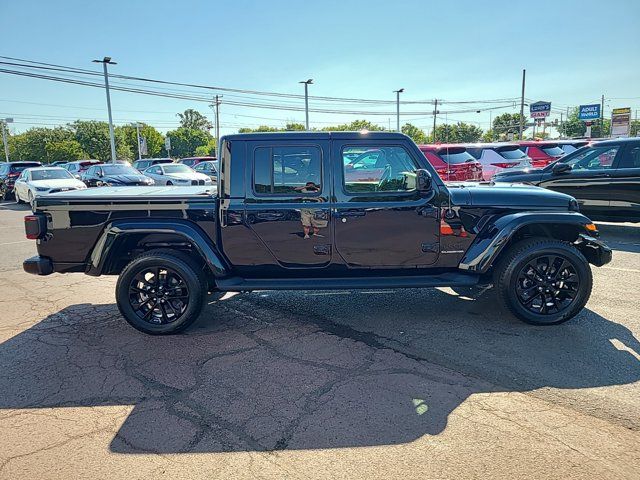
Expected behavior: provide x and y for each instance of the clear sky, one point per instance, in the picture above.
(574, 51)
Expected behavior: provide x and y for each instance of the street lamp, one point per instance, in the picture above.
(138, 126)
(107, 61)
(3, 123)
(306, 100)
(398, 92)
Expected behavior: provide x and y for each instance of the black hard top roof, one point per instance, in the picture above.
(316, 135)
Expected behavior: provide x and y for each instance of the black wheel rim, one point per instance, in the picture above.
(158, 295)
(547, 285)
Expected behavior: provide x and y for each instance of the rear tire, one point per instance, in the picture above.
(161, 292)
(169, 182)
(543, 281)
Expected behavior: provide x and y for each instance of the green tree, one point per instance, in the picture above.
(507, 123)
(207, 150)
(261, 128)
(65, 151)
(155, 140)
(32, 144)
(94, 139)
(192, 119)
(601, 129)
(460, 132)
(355, 126)
(635, 128)
(294, 127)
(416, 134)
(572, 127)
(489, 136)
(185, 141)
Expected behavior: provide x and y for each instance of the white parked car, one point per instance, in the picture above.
(176, 174)
(35, 182)
(496, 157)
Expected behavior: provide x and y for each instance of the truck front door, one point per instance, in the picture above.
(380, 219)
(287, 201)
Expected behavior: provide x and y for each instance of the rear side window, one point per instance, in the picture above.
(455, 156)
(553, 150)
(511, 153)
(475, 152)
(287, 170)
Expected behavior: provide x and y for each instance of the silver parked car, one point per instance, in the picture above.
(176, 174)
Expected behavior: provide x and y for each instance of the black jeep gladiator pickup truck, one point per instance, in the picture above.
(341, 210)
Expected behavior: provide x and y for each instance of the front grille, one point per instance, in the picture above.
(197, 182)
(64, 189)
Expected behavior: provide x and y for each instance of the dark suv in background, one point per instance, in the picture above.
(604, 177)
(78, 167)
(9, 172)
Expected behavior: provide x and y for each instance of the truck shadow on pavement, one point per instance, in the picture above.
(304, 370)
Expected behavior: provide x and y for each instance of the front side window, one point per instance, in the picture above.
(378, 169)
(631, 158)
(593, 158)
(287, 170)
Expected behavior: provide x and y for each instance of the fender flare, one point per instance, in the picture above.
(496, 235)
(104, 250)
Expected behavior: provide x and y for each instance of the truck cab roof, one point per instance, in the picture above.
(362, 134)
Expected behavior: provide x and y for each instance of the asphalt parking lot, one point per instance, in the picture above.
(385, 384)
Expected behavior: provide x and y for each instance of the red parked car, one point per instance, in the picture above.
(452, 162)
(541, 152)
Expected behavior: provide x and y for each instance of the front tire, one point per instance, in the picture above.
(543, 281)
(161, 292)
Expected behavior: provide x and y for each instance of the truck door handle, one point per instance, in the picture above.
(351, 213)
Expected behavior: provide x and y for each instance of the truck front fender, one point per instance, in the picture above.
(105, 249)
(496, 234)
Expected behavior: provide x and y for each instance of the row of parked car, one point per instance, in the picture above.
(28, 180)
(481, 161)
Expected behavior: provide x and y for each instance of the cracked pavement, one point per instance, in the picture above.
(389, 384)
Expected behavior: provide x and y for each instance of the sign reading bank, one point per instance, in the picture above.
(589, 112)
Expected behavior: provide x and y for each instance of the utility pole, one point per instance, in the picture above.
(561, 124)
(107, 61)
(138, 137)
(306, 101)
(3, 124)
(602, 117)
(435, 114)
(398, 92)
(217, 107)
(524, 73)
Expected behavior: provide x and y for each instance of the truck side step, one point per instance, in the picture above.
(237, 284)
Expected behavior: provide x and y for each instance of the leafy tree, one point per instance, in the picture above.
(507, 123)
(64, 150)
(192, 119)
(489, 136)
(294, 127)
(460, 132)
(94, 139)
(355, 126)
(207, 150)
(416, 134)
(155, 140)
(32, 144)
(601, 129)
(635, 128)
(185, 141)
(572, 127)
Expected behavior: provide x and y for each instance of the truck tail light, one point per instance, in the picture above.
(35, 226)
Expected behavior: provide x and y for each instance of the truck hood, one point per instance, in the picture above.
(509, 195)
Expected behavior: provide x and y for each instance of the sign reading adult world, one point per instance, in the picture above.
(589, 112)
(540, 109)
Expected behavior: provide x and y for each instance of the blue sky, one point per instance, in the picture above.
(574, 51)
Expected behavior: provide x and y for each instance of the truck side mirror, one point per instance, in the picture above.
(560, 167)
(423, 180)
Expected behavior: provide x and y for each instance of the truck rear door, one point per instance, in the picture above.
(287, 200)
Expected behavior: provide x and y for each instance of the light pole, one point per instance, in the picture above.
(306, 100)
(521, 125)
(138, 137)
(3, 123)
(107, 61)
(398, 92)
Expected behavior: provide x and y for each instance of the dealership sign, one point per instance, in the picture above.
(589, 112)
(620, 122)
(540, 109)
